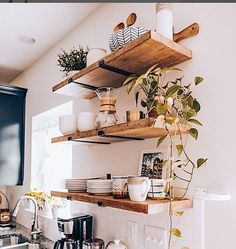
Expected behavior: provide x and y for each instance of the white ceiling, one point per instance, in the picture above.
(47, 23)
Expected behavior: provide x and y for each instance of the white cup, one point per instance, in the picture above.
(67, 124)
(157, 188)
(138, 188)
(86, 121)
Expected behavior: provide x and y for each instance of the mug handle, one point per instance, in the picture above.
(147, 188)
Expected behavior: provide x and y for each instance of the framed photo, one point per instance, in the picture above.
(151, 164)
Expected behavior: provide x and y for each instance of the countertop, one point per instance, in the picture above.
(19, 229)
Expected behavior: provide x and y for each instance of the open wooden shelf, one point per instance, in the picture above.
(139, 130)
(135, 57)
(146, 207)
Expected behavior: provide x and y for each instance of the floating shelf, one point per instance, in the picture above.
(146, 207)
(136, 130)
(135, 57)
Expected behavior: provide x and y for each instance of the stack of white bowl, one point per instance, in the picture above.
(75, 185)
(99, 187)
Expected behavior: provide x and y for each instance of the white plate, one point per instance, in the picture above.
(101, 190)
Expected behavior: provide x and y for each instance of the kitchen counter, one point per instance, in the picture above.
(19, 229)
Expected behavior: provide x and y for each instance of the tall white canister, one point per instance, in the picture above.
(164, 20)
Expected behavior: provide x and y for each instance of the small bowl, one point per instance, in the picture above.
(67, 124)
(121, 37)
(86, 121)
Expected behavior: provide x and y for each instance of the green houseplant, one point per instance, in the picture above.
(75, 59)
(174, 107)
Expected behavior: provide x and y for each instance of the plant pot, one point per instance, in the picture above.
(56, 212)
(95, 54)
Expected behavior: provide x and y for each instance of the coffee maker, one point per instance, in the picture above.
(74, 230)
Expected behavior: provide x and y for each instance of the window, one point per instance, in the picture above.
(50, 163)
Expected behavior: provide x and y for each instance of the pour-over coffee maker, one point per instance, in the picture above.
(107, 114)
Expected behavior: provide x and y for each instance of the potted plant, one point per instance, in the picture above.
(174, 107)
(41, 197)
(57, 205)
(151, 86)
(74, 60)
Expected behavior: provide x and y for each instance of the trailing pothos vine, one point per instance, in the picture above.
(174, 107)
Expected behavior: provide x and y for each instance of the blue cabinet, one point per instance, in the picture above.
(12, 134)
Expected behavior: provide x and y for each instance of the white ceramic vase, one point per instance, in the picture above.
(95, 54)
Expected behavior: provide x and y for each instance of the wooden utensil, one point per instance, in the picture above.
(188, 32)
(119, 26)
(131, 19)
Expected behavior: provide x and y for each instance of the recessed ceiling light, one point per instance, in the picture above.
(26, 39)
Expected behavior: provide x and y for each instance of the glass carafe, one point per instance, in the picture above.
(107, 114)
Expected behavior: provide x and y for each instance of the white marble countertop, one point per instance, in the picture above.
(19, 229)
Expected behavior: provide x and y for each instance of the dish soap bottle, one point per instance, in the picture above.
(116, 244)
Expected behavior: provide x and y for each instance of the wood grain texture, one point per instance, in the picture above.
(142, 128)
(135, 57)
(146, 207)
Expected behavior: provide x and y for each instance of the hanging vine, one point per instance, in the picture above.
(174, 108)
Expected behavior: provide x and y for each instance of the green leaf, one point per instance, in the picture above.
(176, 232)
(179, 213)
(130, 86)
(198, 80)
(172, 90)
(143, 103)
(136, 98)
(190, 113)
(164, 162)
(195, 121)
(130, 78)
(196, 106)
(187, 87)
(193, 132)
(161, 109)
(160, 140)
(201, 161)
(190, 101)
(179, 148)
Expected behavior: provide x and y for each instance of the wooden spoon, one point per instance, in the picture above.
(119, 26)
(188, 32)
(131, 19)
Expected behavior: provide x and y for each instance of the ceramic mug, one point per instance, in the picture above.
(134, 115)
(120, 188)
(138, 188)
(157, 188)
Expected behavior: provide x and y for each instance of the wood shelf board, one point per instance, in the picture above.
(146, 207)
(142, 128)
(135, 57)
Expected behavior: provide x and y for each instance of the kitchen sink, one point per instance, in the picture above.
(14, 241)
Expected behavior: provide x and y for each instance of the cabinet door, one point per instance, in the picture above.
(12, 134)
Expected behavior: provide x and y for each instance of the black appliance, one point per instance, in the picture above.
(74, 230)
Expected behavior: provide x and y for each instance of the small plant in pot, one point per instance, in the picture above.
(74, 60)
(57, 205)
(151, 86)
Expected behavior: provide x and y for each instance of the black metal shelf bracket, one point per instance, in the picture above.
(102, 134)
(89, 87)
(103, 65)
(88, 142)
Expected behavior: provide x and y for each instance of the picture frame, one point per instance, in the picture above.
(151, 164)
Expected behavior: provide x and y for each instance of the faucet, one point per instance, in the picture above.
(35, 231)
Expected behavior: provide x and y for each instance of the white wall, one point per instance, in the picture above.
(213, 58)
